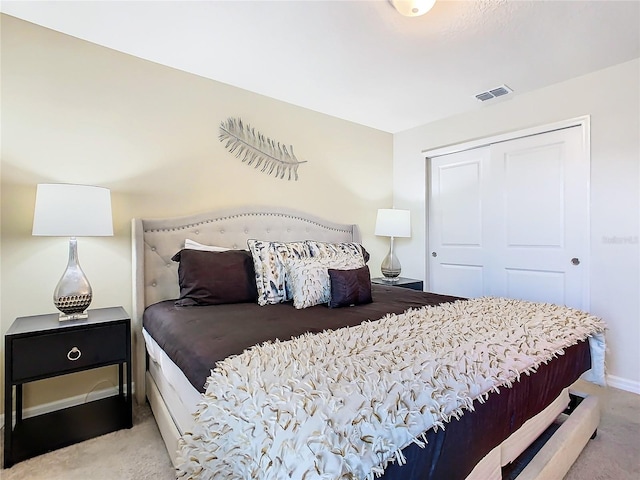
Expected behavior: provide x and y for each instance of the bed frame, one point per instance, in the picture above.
(155, 241)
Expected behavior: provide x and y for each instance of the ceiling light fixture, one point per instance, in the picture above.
(412, 8)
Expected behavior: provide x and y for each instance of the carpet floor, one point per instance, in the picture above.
(139, 453)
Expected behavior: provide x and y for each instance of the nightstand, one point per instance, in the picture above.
(39, 347)
(402, 282)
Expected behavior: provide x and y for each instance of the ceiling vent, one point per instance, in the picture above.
(493, 93)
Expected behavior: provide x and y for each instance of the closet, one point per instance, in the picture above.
(511, 218)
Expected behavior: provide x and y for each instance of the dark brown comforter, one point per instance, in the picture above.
(196, 337)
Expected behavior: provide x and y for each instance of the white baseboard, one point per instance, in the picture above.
(623, 384)
(69, 402)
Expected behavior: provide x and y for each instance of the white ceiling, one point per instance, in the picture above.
(361, 60)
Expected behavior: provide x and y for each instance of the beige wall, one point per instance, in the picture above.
(75, 112)
(612, 99)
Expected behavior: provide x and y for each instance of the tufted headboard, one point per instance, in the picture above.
(155, 241)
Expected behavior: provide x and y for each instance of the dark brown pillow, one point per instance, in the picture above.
(349, 287)
(214, 278)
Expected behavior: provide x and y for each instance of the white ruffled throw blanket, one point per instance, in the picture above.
(342, 404)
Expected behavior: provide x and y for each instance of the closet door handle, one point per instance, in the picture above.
(434, 254)
(575, 261)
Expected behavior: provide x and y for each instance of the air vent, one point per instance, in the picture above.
(494, 93)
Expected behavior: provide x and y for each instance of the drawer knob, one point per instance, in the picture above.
(74, 354)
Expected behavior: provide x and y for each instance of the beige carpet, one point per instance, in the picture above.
(135, 454)
(615, 452)
(139, 453)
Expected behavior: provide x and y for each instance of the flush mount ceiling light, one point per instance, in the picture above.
(412, 8)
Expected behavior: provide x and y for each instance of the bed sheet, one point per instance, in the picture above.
(180, 397)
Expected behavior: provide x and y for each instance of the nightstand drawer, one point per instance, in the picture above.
(62, 352)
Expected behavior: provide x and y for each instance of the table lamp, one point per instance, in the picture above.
(392, 223)
(64, 210)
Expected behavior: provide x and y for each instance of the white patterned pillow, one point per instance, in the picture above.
(334, 250)
(309, 278)
(268, 260)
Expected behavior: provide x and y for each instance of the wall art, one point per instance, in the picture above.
(253, 148)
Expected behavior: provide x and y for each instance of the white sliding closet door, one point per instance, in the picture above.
(457, 220)
(511, 219)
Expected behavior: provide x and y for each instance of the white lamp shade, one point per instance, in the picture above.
(393, 223)
(64, 210)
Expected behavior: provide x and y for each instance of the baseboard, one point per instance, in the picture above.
(69, 402)
(623, 384)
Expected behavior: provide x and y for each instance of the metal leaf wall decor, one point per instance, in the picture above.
(257, 150)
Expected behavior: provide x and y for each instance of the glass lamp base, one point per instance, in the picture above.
(390, 267)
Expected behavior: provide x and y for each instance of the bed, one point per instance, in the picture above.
(471, 444)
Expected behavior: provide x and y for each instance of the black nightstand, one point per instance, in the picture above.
(39, 347)
(411, 283)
